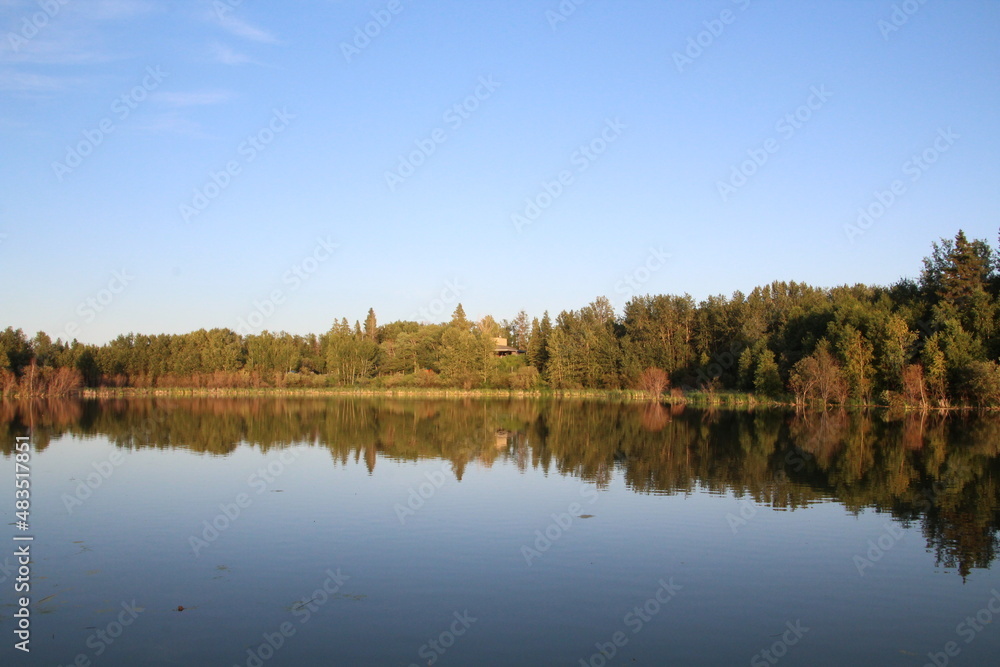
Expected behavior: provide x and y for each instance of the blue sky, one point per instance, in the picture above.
(171, 166)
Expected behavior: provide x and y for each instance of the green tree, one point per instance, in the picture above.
(982, 383)
(894, 350)
(538, 352)
(463, 357)
(521, 329)
(43, 349)
(856, 355)
(819, 377)
(958, 270)
(15, 349)
(767, 380)
(598, 350)
(350, 356)
(489, 328)
(658, 331)
(936, 368)
(558, 367)
(459, 320)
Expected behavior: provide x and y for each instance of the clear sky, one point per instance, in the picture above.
(168, 166)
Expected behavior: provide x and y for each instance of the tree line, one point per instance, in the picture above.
(931, 342)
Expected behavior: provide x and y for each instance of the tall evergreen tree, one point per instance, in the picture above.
(538, 352)
(458, 319)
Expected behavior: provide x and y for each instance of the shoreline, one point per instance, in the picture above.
(142, 392)
(720, 400)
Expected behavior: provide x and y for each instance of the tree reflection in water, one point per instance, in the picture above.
(938, 470)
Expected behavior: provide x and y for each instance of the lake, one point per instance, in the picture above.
(357, 531)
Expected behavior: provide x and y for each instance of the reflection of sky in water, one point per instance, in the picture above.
(463, 549)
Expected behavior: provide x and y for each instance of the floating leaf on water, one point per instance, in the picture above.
(351, 596)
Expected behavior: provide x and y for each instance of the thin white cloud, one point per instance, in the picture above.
(26, 82)
(57, 48)
(227, 56)
(72, 34)
(171, 122)
(104, 10)
(193, 99)
(241, 28)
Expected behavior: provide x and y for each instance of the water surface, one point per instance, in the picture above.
(398, 532)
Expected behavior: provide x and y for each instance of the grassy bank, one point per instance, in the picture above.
(733, 400)
(694, 399)
(130, 392)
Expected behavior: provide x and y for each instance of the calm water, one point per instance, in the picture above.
(394, 532)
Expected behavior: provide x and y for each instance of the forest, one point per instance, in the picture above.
(931, 342)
